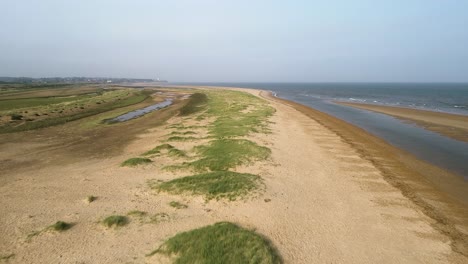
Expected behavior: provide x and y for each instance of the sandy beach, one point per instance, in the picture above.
(450, 125)
(333, 194)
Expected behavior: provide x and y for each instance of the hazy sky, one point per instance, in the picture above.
(237, 40)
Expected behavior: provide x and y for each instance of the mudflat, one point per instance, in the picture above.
(332, 194)
(450, 125)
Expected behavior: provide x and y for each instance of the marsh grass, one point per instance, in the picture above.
(224, 154)
(178, 205)
(135, 162)
(222, 242)
(115, 221)
(213, 185)
(61, 119)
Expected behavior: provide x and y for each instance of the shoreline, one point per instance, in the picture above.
(440, 195)
(451, 125)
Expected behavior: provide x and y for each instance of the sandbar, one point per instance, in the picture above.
(451, 125)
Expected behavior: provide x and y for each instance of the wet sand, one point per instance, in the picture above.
(450, 125)
(333, 194)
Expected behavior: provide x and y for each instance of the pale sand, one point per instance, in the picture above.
(451, 125)
(328, 205)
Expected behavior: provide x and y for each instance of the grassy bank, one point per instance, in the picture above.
(234, 116)
(213, 185)
(219, 243)
(23, 114)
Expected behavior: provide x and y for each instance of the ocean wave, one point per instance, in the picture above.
(357, 100)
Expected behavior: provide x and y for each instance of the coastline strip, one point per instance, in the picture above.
(450, 125)
(439, 194)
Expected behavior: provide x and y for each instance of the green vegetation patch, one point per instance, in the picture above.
(115, 221)
(213, 185)
(222, 242)
(135, 162)
(158, 149)
(237, 114)
(196, 103)
(224, 154)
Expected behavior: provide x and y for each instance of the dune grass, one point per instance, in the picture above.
(176, 153)
(6, 257)
(137, 213)
(183, 133)
(179, 138)
(224, 154)
(196, 102)
(236, 115)
(60, 226)
(213, 185)
(178, 205)
(135, 162)
(222, 242)
(158, 149)
(158, 218)
(233, 119)
(91, 198)
(171, 151)
(115, 221)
